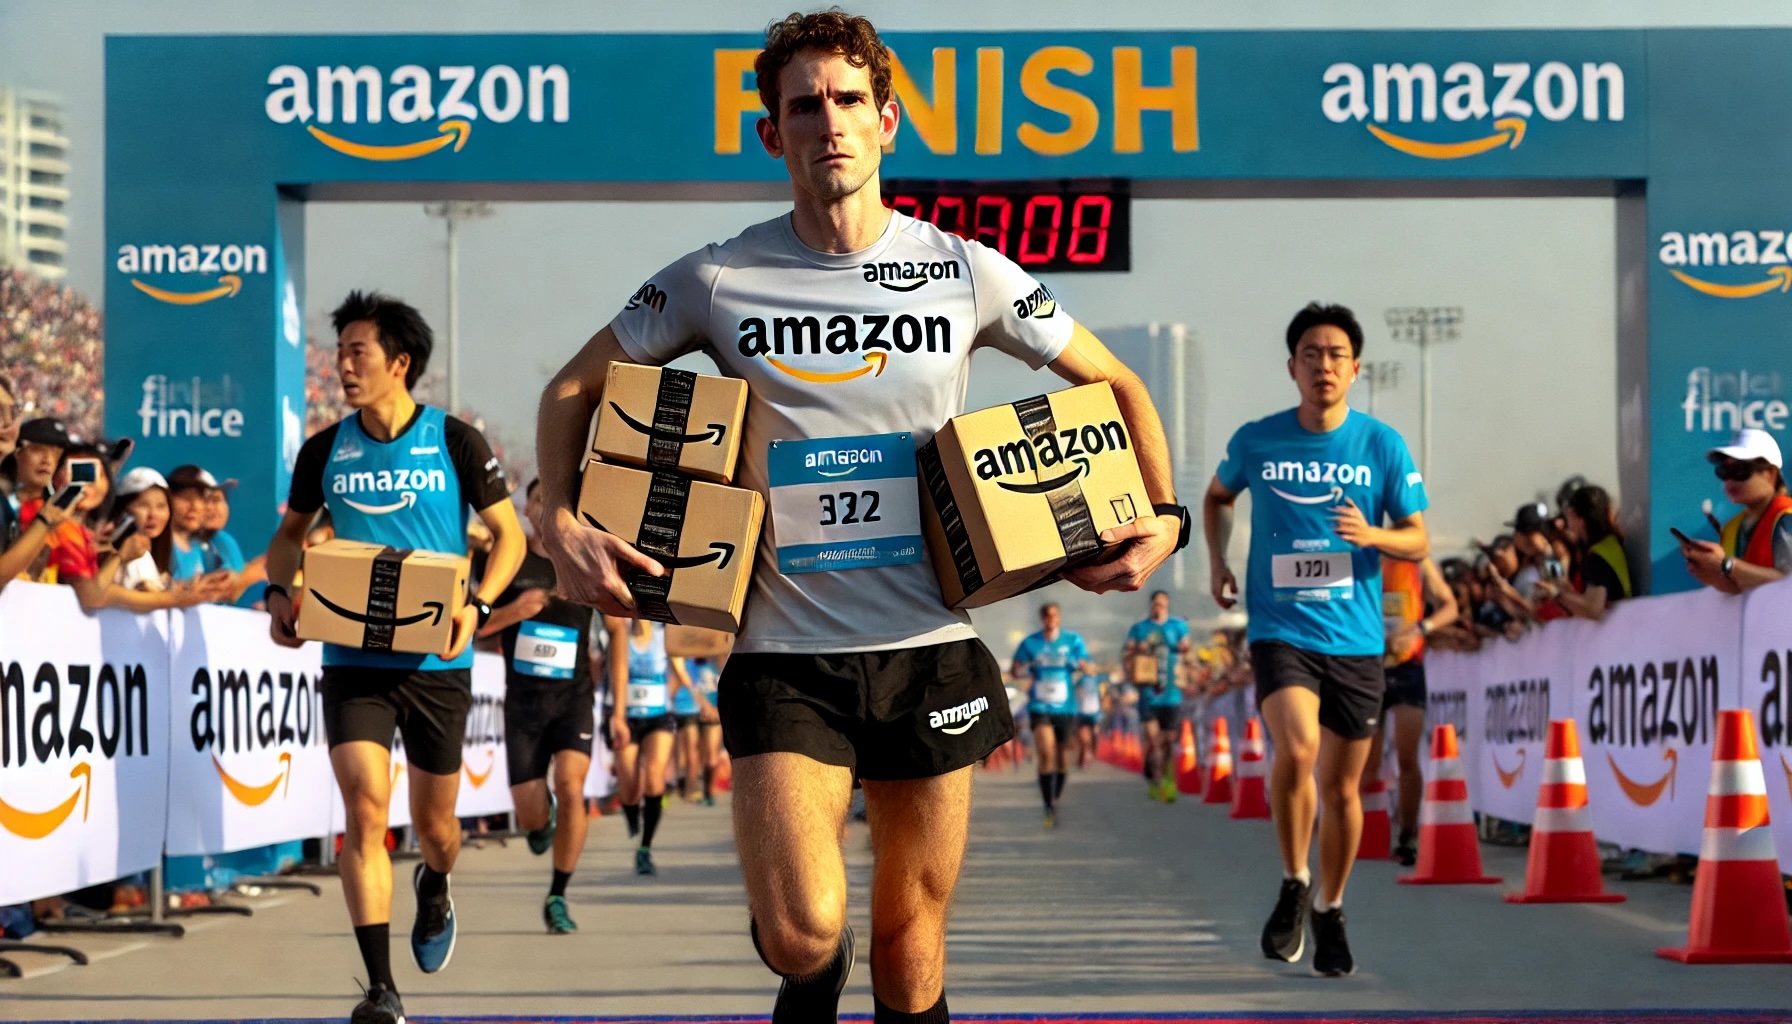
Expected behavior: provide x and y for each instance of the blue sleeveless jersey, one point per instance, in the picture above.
(405, 494)
(646, 694)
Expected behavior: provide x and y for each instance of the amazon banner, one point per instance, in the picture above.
(248, 762)
(484, 762)
(1450, 680)
(1648, 682)
(1518, 689)
(83, 743)
(1767, 693)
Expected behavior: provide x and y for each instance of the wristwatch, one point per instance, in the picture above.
(274, 588)
(1728, 564)
(485, 610)
(1180, 512)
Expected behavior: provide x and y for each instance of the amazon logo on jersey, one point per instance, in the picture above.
(387, 490)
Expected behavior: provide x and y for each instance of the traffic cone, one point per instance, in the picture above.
(1738, 904)
(1449, 851)
(1378, 829)
(1252, 801)
(724, 779)
(1219, 767)
(1188, 765)
(1135, 754)
(1563, 866)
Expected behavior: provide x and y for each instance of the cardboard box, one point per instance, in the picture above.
(1054, 472)
(1142, 668)
(697, 642)
(706, 534)
(378, 598)
(658, 418)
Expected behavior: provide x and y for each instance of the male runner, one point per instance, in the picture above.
(644, 681)
(1088, 715)
(704, 676)
(382, 347)
(1163, 638)
(548, 713)
(1407, 590)
(845, 672)
(1322, 476)
(1049, 658)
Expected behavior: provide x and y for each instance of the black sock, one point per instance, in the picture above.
(558, 888)
(633, 813)
(935, 1014)
(1047, 789)
(709, 783)
(1057, 785)
(431, 882)
(375, 941)
(650, 820)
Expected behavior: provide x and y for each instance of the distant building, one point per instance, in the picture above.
(33, 184)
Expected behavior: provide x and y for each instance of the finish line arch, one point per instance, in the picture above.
(214, 143)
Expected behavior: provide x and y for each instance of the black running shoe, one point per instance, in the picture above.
(1285, 936)
(1331, 950)
(1406, 855)
(816, 1000)
(379, 1005)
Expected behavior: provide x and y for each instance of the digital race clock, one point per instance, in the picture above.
(1052, 224)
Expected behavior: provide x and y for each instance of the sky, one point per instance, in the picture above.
(1535, 277)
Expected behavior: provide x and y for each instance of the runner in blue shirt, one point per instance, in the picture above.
(1323, 478)
(1049, 658)
(1088, 716)
(1162, 638)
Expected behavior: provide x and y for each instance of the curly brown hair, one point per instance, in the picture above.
(830, 31)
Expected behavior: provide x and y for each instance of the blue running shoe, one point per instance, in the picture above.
(541, 840)
(432, 937)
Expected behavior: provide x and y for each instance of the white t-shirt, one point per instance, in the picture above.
(908, 310)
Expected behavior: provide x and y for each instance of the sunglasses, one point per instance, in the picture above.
(1735, 471)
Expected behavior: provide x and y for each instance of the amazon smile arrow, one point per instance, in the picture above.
(451, 131)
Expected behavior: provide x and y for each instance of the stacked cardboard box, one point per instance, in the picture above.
(378, 598)
(664, 449)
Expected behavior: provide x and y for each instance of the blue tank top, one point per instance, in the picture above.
(405, 494)
(646, 694)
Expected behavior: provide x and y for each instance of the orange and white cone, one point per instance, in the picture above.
(1563, 866)
(1188, 762)
(1252, 800)
(1738, 904)
(1378, 829)
(1219, 767)
(1449, 850)
(724, 777)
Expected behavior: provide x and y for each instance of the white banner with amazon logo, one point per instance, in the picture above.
(83, 742)
(1767, 694)
(484, 760)
(248, 760)
(1522, 687)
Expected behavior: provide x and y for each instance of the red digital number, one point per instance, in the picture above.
(1004, 219)
(907, 204)
(1080, 230)
(1030, 230)
(953, 206)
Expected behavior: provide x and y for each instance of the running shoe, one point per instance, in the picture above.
(541, 840)
(644, 862)
(378, 1005)
(709, 801)
(1406, 854)
(817, 1000)
(1051, 817)
(432, 936)
(559, 920)
(1168, 788)
(1285, 936)
(1331, 950)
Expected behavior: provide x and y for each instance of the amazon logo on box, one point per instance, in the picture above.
(377, 598)
(671, 420)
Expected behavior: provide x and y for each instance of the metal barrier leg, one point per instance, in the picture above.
(15, 946)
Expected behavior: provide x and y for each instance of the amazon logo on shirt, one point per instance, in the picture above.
(381, 492)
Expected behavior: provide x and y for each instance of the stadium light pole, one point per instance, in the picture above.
(1426, 327)
(452, 213)
(1379, 374)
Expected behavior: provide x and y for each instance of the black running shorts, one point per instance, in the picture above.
(913, 713)
(640, 728)
(1063, 726)
(1406, 685)
(686, 721)
(1168, 718)
(541, 721)
(429, 708)
(1349, 687)
(1088, 721)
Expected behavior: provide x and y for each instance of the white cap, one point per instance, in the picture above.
(1751, 444)
(139, 480)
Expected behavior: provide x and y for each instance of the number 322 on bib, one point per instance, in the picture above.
(844, 502)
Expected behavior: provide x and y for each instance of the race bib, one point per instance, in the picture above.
(1090, 703)
(646, 696)
(844, 502)
(546, 651)
(1313, 576)
(1051, 691)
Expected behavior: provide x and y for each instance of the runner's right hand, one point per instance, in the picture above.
(590, 565)
(282, 623)
(618, 730)
(1224, 586)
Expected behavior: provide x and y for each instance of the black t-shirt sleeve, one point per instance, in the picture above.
(482, 481)
(1597, 573)
(307, 493)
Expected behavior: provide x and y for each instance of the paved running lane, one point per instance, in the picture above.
(1126, 905)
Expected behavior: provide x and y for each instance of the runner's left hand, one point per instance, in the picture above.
(465, 622)
(1350, 525)
(1139, 548)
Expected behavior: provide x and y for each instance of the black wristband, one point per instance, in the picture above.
(274, 588)
(484, 610)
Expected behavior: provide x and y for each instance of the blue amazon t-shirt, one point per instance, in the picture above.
(1163, 641)
(1051, 665)
(1305, 586)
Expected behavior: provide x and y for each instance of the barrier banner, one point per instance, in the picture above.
(1518, 689)
(83, 742)
(1767, 693)
(1648, 682)
(1449, 682)
(484, 766)
(600, 781)
(247, 753)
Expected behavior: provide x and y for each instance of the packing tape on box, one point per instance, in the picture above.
(662, 526)
(382, 598)
(958, 539)
(1070, 508)
(671, 412)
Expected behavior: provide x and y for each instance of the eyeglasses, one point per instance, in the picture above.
(1736, 471)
